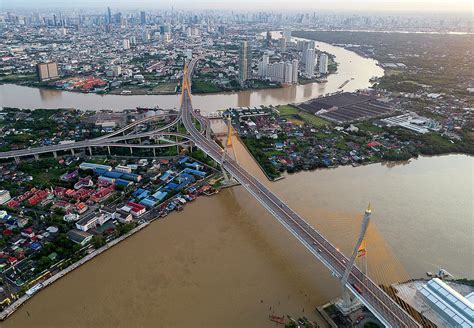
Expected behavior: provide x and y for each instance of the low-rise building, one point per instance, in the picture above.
(79, 237)
(4, 196)
(454, 308)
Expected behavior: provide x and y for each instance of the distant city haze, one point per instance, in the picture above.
(465, 6)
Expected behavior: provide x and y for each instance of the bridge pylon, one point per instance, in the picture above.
(350, 303)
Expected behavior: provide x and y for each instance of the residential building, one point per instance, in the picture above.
(47, 71)
(309, 58)
(4, 196)
(126, 44)
(288, 76)
(287, 35)
(323, 64)
(245, 61)
(294, 77)
(79, 237)
(282, 44)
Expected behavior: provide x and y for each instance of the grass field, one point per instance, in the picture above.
(290, 112)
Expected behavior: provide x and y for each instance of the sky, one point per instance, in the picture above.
(276, 5)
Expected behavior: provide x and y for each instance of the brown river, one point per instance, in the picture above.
(225, 262)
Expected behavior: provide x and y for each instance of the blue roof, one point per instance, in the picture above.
(35, 246)
(183, 159)
(148, 202)
(138, 192)
(113, 174)
(160, 195)
(172, 186)
(122, 182)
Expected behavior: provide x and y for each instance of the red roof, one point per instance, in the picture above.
(373, 144)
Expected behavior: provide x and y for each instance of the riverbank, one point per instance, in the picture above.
(40, 286)
(350, 65)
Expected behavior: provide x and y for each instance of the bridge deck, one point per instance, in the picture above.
(384, 307)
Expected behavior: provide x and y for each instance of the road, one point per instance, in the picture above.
(370, 294)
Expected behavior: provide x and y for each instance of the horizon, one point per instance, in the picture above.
(341, 6)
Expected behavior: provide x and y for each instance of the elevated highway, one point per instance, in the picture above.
(366, 290)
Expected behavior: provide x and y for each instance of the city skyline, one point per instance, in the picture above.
(426, 6)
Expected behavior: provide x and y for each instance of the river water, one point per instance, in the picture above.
(225, 262)
(351, 65)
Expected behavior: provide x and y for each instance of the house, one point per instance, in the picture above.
(79, 237)
(134, 208)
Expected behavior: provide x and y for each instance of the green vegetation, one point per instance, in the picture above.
(371, 325)
(442, 61)
(261, 150)
(15, 78)
(200, 86)
(465, 281)
(98, 241)
(288, 111)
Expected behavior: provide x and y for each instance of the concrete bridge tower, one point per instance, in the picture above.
(349, 303)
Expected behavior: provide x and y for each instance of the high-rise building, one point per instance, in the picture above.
(288, 76)
(309, 59)
(287, 35)
(245, 61)
(47, 71)
(142, 17)
(282, 44)
(323, 64)
(126, 44)
(294, 77)
(133, 40)
(109, 16)
(263, 66)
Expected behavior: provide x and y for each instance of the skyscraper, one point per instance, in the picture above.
(288, 76)
(294, 77)
(309, 59)
(109, 16)
(245, 61)
(47, 71)
(142, 17)
(323, 64)
(287, 35)
(282, 44)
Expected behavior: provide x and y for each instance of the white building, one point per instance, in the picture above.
(287, 35)
(455, 309)
(276, 72)
(309, 59)
(263, 65)
(4, 196)
(288, 73)
(189, 54)
(126, 44)
(282, 44)
(323, 64)
(294, 77)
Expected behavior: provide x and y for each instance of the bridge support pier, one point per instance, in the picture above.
(131, 151)
(37, 157)
(90, 150)
(55, 154)
(17, 160)
(108, 149)
(224, 173)
(154, 152)
(72, 151)
(350, 303)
